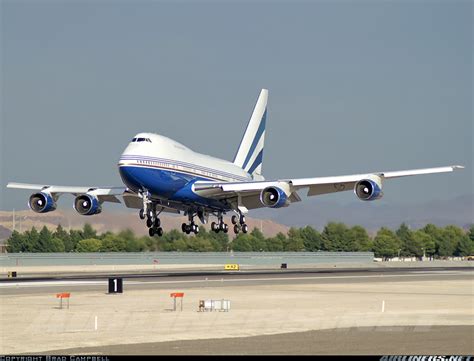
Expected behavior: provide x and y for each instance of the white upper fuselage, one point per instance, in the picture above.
(159, 152)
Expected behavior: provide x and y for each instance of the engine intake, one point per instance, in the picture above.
(42, 202)
(368, 190)
(87, 205)
(274, 197)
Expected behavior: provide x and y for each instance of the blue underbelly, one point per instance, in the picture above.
(167, 184)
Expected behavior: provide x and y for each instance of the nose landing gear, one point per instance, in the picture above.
(150, 213)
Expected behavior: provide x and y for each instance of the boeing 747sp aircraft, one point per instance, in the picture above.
(161, 175)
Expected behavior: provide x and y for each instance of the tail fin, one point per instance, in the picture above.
(250, 153)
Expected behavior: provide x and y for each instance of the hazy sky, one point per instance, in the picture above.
(354, 86)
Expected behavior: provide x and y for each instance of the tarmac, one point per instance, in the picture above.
(400, 340)
(435, 308)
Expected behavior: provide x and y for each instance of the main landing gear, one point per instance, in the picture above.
(239, 223)
(220, 225)
(191, 227)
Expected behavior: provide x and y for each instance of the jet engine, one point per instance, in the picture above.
(87, 205)
(274, 197)
(42, 202)
(368, 189)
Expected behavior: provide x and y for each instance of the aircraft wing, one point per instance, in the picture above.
(104, 194)
(247, 194)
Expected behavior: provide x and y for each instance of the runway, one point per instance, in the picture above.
(163, 280)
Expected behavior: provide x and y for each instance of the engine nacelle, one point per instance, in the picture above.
(42, 202)
(87, 205)
(368, 189)
(274, 197)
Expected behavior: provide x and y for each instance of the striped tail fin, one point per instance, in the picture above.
(250, 153)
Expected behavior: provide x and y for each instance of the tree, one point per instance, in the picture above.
(276, 244)
(335, 238)
(436, 235)
(17, 243)
(410, 246)
(88, 231)
(359, 239)
(219, 241)
(199, 244)
(465, 246)
(112, 243)
(57, 245)
(312, 239)
(89, 245)
(386, 244)
(294, 242)
(61, 234)
(259, 241)
(426, 241)
(243, 243)
(31, 240)
(44, 243)
(75, 237)
(447, 244)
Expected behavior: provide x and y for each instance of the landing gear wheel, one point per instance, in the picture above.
(236, 229)
(149, 213)
(159, 231)
(157, 223)
(245, 228)
(188, 229)
(242, 219)
(183, 227)
(151, 232)
(234, 219)
(141, 214)
(226, 228)
(149, 222)
(196, 229)
(214, 227)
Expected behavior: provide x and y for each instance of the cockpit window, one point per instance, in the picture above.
(141, 140)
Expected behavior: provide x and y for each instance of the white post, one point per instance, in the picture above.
(95, 325)
(383, 306)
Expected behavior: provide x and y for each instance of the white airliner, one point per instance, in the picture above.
(162, 175)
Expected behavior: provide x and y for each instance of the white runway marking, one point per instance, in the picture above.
(220, 280)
